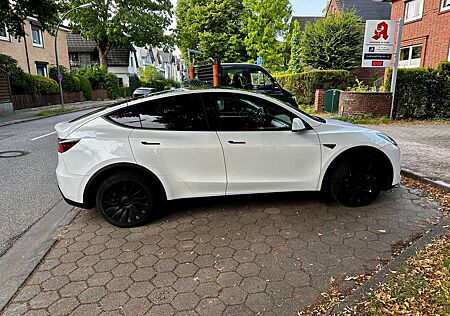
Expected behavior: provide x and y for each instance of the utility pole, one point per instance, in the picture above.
(396, 63)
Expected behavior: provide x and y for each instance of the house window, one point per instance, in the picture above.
(41, 70)
(4, 35)
(445, 5)
(413, 10)
(36, 34)
(85, 59)
(410, 57)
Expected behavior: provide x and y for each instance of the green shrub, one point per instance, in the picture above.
(112, 86)
(158, 85)
(305, 84)
(85, 86)
(170, 83)
(76, 83)
(134, 82)
(46, 85)
(100, 78)
(422, 93)
(21, 82)
(68, 83)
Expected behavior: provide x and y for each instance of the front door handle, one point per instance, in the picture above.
(150, 144)
(235, 143)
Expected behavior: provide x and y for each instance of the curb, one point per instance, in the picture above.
(43, 117)
(422, 178)
(20, 260)
(385, 273)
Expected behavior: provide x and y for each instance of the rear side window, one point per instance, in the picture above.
(178, 113)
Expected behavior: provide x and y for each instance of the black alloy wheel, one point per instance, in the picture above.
(356, 181)
(125, 200)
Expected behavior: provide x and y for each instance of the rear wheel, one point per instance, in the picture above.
(126, 199)
(356, 181)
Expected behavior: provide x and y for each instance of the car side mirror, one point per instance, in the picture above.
(298, 125)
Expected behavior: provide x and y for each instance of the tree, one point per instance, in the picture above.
(212, 26)
(295, 64)
(121, 23)
(13, 13)
(266, 24)
(334, 42)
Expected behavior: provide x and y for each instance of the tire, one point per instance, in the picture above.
(356, 181)
(126, 199)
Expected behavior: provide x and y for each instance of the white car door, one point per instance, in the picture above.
(262, 154)
(173, 140)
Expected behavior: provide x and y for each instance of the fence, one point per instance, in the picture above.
(5, 91)
(27, 101)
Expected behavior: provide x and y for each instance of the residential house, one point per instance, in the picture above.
(366, 10)
(170, 64)
(426, 33)
(303, 20)
(84, 53)
(35, 53)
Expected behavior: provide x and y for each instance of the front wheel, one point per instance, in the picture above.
(356, 181)
(125, 199)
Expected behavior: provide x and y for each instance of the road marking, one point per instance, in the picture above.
(39, 137)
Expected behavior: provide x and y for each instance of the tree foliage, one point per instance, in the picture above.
(13, 13)
(121, 23)
(295, 64)
(334, 42)
(266, 24)
(212, 26)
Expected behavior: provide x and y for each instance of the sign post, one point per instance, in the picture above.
(397, 60)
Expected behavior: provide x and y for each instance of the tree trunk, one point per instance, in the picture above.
(103, 58)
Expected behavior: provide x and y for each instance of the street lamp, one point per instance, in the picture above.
(83, 6)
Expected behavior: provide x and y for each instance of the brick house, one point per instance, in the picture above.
(35, 53)
(426, 34)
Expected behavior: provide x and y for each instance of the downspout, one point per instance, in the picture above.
(26, 52)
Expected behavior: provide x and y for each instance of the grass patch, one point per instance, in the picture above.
(57, 111)
(363, 120)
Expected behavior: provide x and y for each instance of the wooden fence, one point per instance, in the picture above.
(5, 90)
(27, 101)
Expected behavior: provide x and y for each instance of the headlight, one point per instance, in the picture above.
(387, 138)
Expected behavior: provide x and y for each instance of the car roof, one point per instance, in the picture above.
(241, 65)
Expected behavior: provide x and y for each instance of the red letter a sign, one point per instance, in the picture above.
(381, 31)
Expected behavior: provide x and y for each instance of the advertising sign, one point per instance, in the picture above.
(378, 43)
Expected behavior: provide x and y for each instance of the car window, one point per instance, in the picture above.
(128, 117)
(249, 79)
(247, 113)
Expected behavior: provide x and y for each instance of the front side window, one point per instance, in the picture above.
(36, 34)
(85, 59)
(411, 56)
(178, 113)
(4, 35)
(247, 113)
(445, 5)
(249, 79)
(413, 10)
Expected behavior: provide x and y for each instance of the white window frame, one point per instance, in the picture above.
(6, 37)
(409, 65)
(447, 8)
(45, 69)
(41, 36)
(420, 11)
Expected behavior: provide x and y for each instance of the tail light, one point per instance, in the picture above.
(66, 144)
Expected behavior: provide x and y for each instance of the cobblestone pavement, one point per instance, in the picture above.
(268, 255)
(425, 147)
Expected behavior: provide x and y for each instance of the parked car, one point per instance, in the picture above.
(250, 77)
(142, 91)
(128, 158)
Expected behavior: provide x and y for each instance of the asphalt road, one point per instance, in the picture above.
(28, 187)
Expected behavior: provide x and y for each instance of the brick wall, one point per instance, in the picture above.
(45, 54)
(432, 31)
(365, 104)
(319, 101)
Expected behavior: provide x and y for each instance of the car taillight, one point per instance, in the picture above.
(66, 144)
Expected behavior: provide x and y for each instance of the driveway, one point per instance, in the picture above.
(265, 254)
(425, 147)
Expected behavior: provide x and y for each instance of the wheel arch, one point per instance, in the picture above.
(385, 163)
(105, 172)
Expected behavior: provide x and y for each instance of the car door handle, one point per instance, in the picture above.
(150, 144)
(235, 143)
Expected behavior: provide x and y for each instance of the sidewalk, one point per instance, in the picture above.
(32, 113)
(425, 148)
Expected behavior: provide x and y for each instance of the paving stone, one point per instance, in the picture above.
(210, 306)
(137, 306)
(259, 302)
(119, 284)
(207, 290)
(162, 295)
(254, 284)
(185, 301)
(229, 279)
(43, 299)
(140, 289)
(233, 296)
(164, 279)
(186, 270)
(100, 279)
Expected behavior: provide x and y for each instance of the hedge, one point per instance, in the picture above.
(85, 86)
(46, 85)
(305, 84)
(422, 93)
(68, 83)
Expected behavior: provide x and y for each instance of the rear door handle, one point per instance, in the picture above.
(150, 144)
(232, 142)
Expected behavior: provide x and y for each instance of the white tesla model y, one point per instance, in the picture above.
(126, 158)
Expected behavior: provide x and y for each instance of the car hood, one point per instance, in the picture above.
(341, 124)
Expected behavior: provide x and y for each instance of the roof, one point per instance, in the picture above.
(303, 20)
(118, 57)
(76, 44)
(368, 9)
